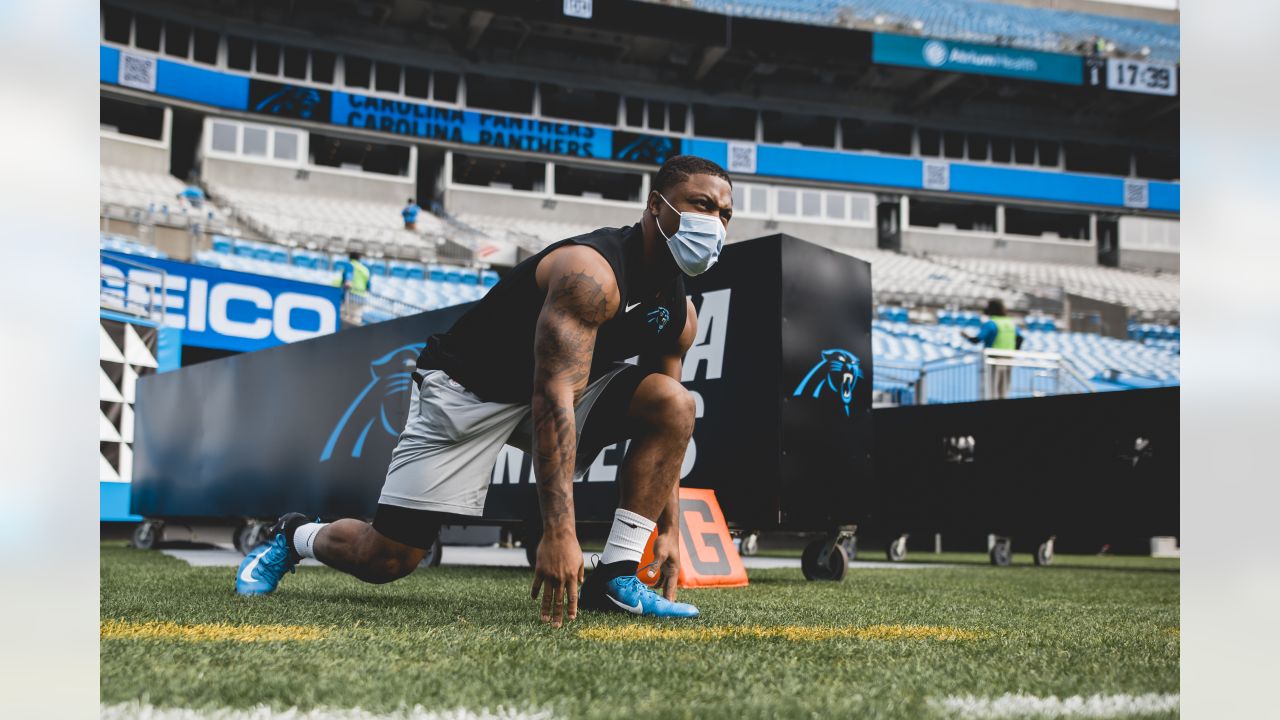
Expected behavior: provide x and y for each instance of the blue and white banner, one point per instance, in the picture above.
(933, 54)
(224, 309)
(430, 122)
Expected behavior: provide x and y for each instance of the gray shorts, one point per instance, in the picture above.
(444, 459)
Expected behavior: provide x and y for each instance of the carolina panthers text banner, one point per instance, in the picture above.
(223, 309)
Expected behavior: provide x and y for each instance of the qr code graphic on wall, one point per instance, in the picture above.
(1135, 194)
(742, 157)
(937, 176)
(138, 71)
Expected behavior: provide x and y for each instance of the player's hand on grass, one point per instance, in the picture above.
(666, 556)
(558, 573)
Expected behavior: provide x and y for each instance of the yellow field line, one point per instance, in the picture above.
(153, 630)
(797, 633)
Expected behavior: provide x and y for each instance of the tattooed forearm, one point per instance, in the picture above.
(576, 305)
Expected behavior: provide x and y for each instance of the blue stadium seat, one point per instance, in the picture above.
(489, 278)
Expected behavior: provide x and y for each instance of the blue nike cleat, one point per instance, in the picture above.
(626, 594)
(262, 568)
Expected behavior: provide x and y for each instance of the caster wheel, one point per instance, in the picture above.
(750, 544)
(432, 558)
(252, 535)
(436, 552)
(237, 539)
(531, 541)
(1001, 554)
(147, 535)
(1044, 554)
(851, 547)
(897, 550)
(834, 569)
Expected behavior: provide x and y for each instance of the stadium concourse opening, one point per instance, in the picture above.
(957, 223)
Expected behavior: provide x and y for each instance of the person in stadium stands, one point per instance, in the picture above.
(537, 364)
(355, 280)
(410, 215)
(998, 333)
(193, 194)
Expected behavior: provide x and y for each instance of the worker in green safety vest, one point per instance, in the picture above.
(999, 331)
(356, 279)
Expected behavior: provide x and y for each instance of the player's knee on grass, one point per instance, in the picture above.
(663, 404)
(386, 560)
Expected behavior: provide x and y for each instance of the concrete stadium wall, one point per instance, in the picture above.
(343, 185)
(134, 154)
(837, 237)
(557, 208)
(1149, 260)
(989, 245)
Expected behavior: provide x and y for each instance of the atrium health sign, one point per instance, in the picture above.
(975, 59)
(223, 309)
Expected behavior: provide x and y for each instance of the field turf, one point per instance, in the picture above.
(882, 644)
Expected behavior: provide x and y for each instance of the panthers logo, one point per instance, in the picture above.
(291, 101)
(390, 376)
(843, 372)
(659, 318)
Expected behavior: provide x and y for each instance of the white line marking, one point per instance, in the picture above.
(145, 711)
(1031, 706)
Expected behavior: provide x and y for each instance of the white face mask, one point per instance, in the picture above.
(696, 245)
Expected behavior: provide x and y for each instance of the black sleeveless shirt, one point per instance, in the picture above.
(489, 350)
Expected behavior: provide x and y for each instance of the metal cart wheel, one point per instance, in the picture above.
(432, 558)
(897, 550)
(824, 559)
(1002, 552)
(750, 544)
(147, 535)
(1044, 553)
(252, 534)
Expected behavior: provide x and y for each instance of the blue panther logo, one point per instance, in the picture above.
(843, 372)
(659, 317)
(390, 376)
(292, 101)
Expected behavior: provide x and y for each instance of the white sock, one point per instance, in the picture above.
(304, 539)
(627, 538)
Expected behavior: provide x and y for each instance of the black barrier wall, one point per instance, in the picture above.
(1093, 470)
(780, 368)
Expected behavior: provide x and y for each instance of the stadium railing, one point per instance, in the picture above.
(132, 295)
(991, 375)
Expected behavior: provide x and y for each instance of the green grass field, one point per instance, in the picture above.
(882, 644)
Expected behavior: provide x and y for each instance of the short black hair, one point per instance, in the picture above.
(355, 255)
(995, 306)
(677, 169)
(409, 200)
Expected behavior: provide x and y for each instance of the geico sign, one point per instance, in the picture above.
(233, 309)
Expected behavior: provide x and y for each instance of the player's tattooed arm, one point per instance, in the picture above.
(581, 295)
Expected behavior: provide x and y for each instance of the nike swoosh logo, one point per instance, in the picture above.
(631, 306)
(247, 574)
(633, 527)
(637, 610)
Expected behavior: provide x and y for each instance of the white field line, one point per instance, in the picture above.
(145, 711)
(1031, 706)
